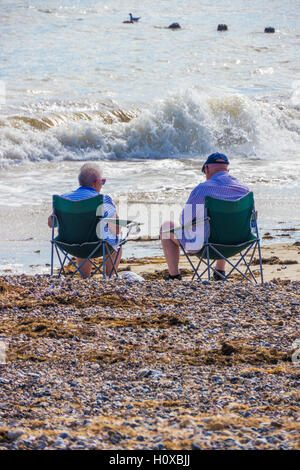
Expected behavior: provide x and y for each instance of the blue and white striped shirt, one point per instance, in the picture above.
(109, 209)
(221, 186)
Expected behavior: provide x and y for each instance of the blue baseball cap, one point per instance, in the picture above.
(216, 158)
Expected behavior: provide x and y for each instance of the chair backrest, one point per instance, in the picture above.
(230, 221)
(77, 220)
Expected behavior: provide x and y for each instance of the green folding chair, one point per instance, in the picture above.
(231, 230)
(78, 224)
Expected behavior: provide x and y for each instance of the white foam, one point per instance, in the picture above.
(184, 124)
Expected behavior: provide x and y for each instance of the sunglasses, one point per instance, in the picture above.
(103, 181)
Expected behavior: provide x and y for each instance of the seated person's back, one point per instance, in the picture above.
(220, 185)
(109, 209)
(91, 183)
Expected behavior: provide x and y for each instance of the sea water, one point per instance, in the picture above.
(146, 102)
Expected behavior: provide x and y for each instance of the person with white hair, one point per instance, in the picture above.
(91, 182)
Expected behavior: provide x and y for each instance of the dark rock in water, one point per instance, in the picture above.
(269, 29)
(222, 27)
(128, 22)
(174, 26)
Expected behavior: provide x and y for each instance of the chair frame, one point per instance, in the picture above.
(106, 250)
(105, 247)
(207, 246)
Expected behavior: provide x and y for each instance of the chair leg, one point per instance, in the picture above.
(77, 269)
(208, 266)
(258, 245)
(85, 261)
(217, 272)
(188, 258)
(197, 267)
(62, 269)
(52, 244)
(248, 266)
(103, 263)
(248, 263)
(234, 267)
(114, 263)
(66, 257)
(52, 257)
(260, 262)
(89, 258)
(98, 268)
(252, 255)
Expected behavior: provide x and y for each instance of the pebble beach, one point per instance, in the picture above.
(137, 362)
(118, 364)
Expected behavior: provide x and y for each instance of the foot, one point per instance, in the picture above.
(169, 277)
(219, 275)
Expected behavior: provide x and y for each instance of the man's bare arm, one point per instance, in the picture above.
(115, 228)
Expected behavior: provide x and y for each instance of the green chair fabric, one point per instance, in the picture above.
(72, 229)
(229, 226)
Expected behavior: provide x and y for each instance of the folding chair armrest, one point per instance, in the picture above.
(189, 224)
(127, 224)
(253, 222)
(121, 222)
(171, 230)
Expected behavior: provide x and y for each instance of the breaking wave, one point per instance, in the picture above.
(183, 125)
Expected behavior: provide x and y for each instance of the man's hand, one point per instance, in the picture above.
(50, 221)
(114, 228)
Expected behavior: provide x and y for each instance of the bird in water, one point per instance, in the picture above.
(132, 18)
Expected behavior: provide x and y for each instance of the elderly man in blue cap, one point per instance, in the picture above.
(219, 184)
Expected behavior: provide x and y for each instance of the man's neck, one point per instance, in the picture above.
(217, 173)
(89, 187)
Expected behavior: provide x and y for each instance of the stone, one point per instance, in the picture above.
(13, 435)
(196, 446)
(227, 349)
(174, 26)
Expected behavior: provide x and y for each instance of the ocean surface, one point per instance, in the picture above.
(149, 104)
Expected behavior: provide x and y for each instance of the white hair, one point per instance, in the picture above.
(88, 174)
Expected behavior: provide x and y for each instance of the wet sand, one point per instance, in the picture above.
(279, 261)
(152, 365)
